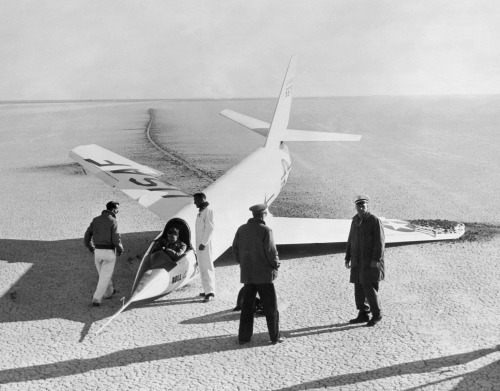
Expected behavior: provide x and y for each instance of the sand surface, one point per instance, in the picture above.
(420, 158)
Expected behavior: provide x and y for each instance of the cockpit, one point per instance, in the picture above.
(184, 231)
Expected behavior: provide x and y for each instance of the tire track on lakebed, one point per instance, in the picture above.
(171, 155)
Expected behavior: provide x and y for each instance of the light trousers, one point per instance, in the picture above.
(207, 270)
(105, 263)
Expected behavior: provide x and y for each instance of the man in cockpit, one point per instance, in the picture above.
(166, 251)
(171, 245)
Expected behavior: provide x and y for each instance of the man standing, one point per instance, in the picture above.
(255, 251)
(365, 258)
(102, 239)
(204, 229)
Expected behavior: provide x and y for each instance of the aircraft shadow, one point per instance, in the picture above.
(440, 366)
(190, 347)
(221, 316)
(164, 303)
(61, 279)
(291, 251)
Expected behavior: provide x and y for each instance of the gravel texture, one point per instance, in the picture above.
(419, 159)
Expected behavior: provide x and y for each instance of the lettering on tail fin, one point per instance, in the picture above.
(289, 87)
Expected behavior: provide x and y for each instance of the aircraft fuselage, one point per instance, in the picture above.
(256, 179)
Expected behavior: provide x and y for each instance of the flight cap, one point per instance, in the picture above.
(258, 208)
(112, 205)
(362, 198)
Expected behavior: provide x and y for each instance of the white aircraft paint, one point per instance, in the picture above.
(256, 179)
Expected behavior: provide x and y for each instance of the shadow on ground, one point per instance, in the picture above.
(440, 366)
(207, 345)
(291, 251)
(60, 279)
(189, 347)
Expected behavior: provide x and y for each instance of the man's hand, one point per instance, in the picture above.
(348, 264)
(201, 247)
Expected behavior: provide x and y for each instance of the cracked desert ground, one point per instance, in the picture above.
(419, 158)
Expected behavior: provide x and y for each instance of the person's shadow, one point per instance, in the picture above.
(56, 279)
(220, 343)
(189, 347)
(441, 365)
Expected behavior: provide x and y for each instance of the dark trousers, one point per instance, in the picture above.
(268, 298)
(366, 296)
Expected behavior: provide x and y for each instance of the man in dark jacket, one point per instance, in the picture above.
(102, 239)
(255, 251)
(365, 258)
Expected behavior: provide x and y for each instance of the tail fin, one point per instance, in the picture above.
(277, 131)
(281, 116)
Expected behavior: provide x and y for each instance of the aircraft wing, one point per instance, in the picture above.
(136, 180)
(289, 230)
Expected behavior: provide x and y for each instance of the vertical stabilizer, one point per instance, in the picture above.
(282, 112)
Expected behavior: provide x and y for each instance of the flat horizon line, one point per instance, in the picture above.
(240, 99)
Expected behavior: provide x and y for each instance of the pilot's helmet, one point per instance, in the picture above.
(173, 231)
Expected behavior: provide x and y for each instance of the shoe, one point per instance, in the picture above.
(95, 304)
(208, 297)
(362, 318)
(202, 294)
(111, 295)
(280, 340)
(373, 321)
(242, 342)
(237, 308)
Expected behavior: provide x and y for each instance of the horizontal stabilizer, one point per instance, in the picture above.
(254, 124)
(136, 180)
(306, 135)
(288, 230)
(262, 128)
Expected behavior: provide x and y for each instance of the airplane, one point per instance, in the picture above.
(256, 179)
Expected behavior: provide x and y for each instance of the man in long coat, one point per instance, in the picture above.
(255, 251)
(365, 258)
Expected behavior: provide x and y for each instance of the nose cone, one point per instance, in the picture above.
(153, 283)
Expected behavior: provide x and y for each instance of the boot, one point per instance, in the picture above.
(362, 318)
(374, 320)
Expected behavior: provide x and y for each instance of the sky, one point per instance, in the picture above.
(223, 49)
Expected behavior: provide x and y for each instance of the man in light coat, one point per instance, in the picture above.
(255, 251)
(102, 239)
(365, 257)
(204, 228)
